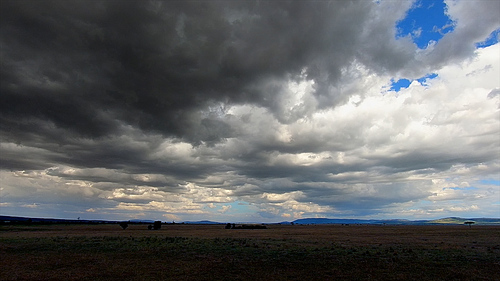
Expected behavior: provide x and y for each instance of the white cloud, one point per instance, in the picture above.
(31, 206)
(225, 208)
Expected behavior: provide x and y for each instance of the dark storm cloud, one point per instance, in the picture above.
(81, 66)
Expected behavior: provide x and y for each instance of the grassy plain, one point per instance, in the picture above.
(281, 252)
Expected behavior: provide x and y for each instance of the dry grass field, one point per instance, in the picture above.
(281, 252)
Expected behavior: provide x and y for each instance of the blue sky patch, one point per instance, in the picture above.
(425, 22)
(401, 83)
(405, 83)
(464, 188)
(492, 182)
(423, 80)
(239, 207)
(491, 40)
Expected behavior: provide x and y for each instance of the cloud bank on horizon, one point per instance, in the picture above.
(250, 111)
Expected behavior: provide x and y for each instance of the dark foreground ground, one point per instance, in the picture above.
(210, 252)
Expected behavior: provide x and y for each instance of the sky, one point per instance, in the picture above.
(250, 111)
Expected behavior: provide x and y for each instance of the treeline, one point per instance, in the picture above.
(10, 220)
(245, 226)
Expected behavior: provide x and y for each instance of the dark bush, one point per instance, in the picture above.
(253, 226)
(157, 225)
(248, 226)
(124, 225)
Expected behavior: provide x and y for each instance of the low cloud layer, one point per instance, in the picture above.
(245, 111)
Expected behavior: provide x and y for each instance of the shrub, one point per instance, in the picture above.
(157, 225)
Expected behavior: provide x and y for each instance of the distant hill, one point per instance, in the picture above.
(141, 221)
(202, 222)
(348, 221)
(450, 220)
(14, 219)
(456, 220)
(51, 220)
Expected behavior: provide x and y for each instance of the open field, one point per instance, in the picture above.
(281, 252)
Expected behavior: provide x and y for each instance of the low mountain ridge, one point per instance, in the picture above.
(449, 220)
